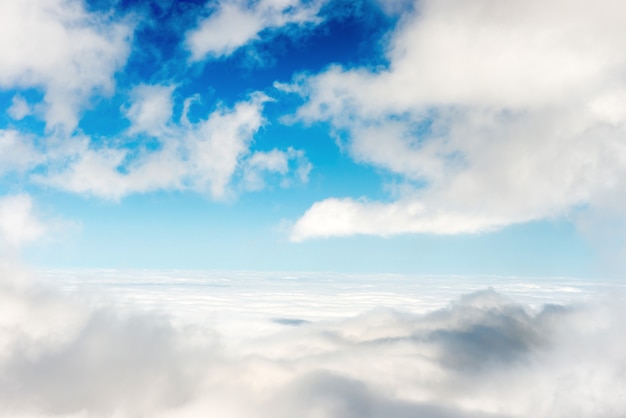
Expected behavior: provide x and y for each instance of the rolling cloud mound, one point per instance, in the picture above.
(483, 355)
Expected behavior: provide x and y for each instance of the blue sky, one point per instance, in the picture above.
(431, 137)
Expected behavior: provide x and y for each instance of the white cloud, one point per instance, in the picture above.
(57, 46)
(234, 23)
(344, 217)
(80, 361)
(483, 355)
(19, 108)
(204, 156)
(275, 161)
(151, 109)
(497, 112)
(18, 152)
(18, 224)
(218, 144)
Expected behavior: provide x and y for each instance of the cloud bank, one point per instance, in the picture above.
(489, 113)
(484, 355)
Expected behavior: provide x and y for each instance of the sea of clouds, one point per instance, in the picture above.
(87, 343)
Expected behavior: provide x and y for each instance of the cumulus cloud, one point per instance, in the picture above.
(18, 152)
(61, 48)
(150, 109)
(491, 112)
(18, 223)
(275, 161)
(157, 153)
(484, 355)
(201, 156)
(235, 23)
(19, 108)
(344, 217)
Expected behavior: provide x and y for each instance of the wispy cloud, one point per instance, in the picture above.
(159, 153)
(19, 108)
(234, 23)
(19, 152)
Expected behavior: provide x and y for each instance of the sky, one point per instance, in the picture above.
(450, 137)
(312, 208)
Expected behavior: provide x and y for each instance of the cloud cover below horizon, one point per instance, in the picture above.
(186, 344)
(483, 355)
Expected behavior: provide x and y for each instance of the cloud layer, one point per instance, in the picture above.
(489, 112)
(484, 355)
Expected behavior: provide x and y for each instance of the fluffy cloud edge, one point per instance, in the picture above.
(214, 156)
(19, 224)
(65, 50)
(481, 137)
(345, 217)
